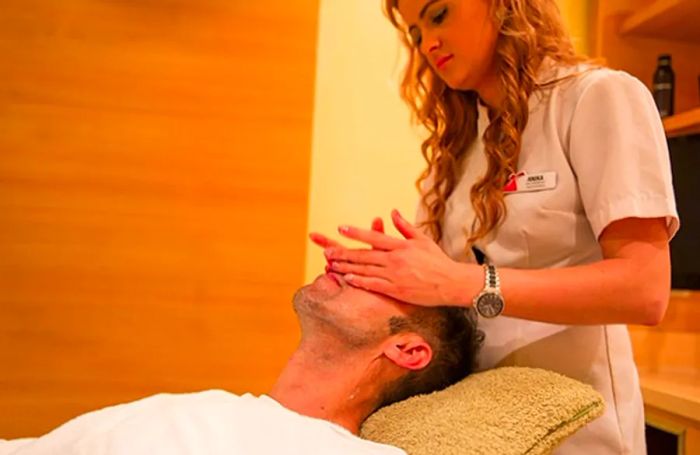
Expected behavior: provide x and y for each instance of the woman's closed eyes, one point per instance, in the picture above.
(439, 16)
(436, 18)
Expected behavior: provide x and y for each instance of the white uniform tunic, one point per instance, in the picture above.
(600, 138)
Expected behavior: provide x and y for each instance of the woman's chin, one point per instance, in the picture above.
(458, 83)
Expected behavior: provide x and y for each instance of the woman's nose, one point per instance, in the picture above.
(430, 44)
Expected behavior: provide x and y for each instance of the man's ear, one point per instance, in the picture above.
(409, 351)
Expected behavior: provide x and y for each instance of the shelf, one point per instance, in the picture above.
(666, 19)
(677, 392)
(684, 123)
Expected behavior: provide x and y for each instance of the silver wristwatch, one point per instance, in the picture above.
(489, 303)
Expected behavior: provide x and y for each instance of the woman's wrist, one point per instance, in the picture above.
(466, 282)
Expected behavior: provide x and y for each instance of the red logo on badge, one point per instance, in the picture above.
(512, 183)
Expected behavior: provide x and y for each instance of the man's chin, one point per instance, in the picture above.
(310, 300)
(313, 302)
(311, 311)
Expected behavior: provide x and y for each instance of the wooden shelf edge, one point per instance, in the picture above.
(645, 15)
(644, 22)
(684, 123)
(676, 393)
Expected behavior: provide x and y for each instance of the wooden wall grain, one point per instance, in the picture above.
(154, 161)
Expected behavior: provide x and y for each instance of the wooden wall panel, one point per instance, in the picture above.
(154, 167)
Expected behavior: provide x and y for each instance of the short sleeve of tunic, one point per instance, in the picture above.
(619, 154)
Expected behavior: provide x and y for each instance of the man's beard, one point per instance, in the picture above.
(318, 317)
(312, 309)
(308, 302)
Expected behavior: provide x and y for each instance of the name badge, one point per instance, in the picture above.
(522, 182)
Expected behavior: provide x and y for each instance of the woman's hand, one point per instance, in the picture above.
(325, 243)
(413, 269)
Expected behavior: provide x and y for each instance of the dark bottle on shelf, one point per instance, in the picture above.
(664, 86)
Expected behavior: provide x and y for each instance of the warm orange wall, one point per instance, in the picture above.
(154, 161)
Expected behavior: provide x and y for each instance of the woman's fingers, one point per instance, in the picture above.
(359, 269)
(361, 256)
(376, 239)
(404, 227)
(378, 225)
(379, 285)
(323, 241)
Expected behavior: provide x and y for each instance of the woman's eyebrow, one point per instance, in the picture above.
(425, 7)
(422, 13)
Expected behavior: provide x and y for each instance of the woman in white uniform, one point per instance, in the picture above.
(553, 172)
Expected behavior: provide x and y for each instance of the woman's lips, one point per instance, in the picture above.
(442, 61)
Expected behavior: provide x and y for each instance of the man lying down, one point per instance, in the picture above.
(358, 351)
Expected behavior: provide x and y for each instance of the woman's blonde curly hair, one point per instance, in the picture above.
(528, 31)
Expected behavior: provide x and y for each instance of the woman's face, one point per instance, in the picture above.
(457, 37)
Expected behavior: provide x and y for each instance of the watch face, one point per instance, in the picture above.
(489, 305)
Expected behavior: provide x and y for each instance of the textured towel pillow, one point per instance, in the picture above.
(508, 410)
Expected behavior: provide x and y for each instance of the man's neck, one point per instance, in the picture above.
(333, 389)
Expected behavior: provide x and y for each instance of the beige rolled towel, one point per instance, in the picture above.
(504, 411)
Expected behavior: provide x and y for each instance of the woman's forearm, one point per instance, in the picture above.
(611, 291)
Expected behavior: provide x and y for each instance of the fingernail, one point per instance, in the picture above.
(349, 277)
(343, 228)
